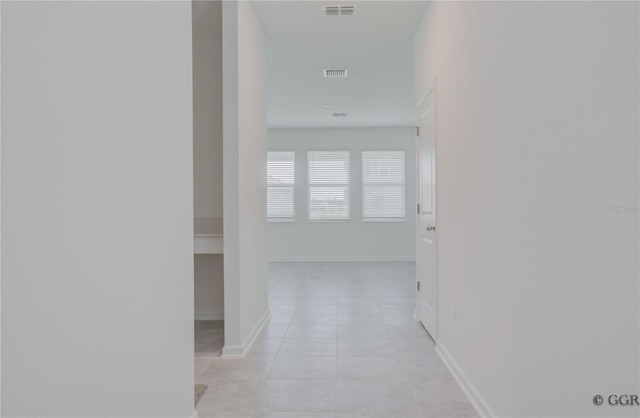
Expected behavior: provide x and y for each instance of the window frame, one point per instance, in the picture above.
(403, 184)
(349, 152)
(283, 186)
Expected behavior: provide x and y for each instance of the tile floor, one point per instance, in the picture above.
(341, 342)
(209, 339)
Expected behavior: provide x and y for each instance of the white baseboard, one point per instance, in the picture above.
(209, 316)
(194, 414)
(241, 350)
(337, 259)
(479, 403)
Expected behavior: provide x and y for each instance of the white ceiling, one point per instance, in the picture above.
(375, 44)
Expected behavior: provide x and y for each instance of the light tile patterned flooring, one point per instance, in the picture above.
(341, 342)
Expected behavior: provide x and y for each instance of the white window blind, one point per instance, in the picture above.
(328, 185)
(383, 185)
(281, 185)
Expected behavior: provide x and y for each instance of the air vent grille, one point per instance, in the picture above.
(335, 72)
(339, 10)
(339, 115)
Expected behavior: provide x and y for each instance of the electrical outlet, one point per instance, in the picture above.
(454, 307)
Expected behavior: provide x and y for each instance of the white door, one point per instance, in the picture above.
(426, 257)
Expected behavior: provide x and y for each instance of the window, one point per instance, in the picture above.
(281, 185)
(328, 185)
(383, 185)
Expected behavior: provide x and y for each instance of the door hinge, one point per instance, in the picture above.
(418, 208)
(418, 286)
(417, 131)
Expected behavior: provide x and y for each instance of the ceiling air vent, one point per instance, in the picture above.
(339, 115)
(338, 10)
(335, 73)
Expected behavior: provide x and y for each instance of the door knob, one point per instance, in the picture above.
(431, 227)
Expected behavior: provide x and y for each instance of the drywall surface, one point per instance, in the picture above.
(207, 149)
(344, 240)
(537, 148)
(207, 110)
(209, 286)
(97, 207)
(245, 153)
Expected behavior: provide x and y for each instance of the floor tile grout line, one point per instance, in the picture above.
(204, 369)
(255, 401)
(415, 402)
(398, 352)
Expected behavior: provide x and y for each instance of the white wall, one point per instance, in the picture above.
(343, 240)
(209, 286)
(207, 110)
(207, 150)
(537, 130)
(97, 205)
(244, 151)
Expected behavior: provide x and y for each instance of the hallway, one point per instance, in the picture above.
(342, 342)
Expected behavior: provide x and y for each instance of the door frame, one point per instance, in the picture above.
(431, 89)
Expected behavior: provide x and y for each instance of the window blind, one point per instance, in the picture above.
(280, 185)
(329, 185)
(383, 188)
